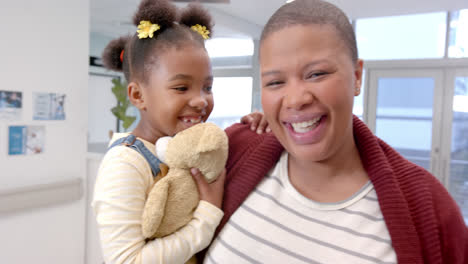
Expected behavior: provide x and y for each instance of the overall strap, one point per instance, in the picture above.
(132, 142)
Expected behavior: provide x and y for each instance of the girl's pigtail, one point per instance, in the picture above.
(160, 12)
(198, 19)
(114, 54)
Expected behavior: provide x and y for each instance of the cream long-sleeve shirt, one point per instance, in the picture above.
(122, 186)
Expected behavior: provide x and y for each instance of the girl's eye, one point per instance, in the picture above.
(209, 89)
(181, 89)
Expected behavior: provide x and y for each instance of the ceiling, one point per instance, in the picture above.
(245, 18)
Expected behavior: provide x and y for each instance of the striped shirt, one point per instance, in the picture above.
(122, 186)
(276, 224)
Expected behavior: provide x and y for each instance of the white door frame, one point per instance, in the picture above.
(447, 121)
(371, 104)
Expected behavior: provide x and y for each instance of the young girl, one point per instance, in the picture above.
(169, 80)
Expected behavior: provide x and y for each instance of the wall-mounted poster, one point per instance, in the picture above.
(26, 140)
(49, 106)
(10, 105)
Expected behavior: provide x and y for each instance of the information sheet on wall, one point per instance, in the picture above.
(49, 106)
(26, 140)
(11, 103)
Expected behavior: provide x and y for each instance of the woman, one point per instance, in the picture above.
(322, 188)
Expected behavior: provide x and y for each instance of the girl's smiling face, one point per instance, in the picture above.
(308, 86)
(177, 93)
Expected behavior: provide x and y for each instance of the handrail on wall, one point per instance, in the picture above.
(40, 195)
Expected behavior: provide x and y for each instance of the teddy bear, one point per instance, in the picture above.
(174, 197)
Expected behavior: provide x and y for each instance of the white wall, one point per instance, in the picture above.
(44, 48)
(93, 246)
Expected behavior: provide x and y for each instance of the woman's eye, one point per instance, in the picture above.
(274, 83)
(315, 74)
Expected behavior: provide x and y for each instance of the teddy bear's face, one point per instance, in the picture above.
(211, 163)
(203, 146)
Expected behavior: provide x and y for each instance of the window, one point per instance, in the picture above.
(233, 99)
(402, 37)
(458, 184)
(229, 47)
(404, 116)
(458, 38)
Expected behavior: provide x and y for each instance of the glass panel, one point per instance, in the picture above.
(458, 184)
(100, 118)
(358, 106)
(229, 47)
(458, 42)
(404, 116)
(402, 37)
(233, 99)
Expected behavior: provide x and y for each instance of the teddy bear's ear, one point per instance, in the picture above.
(212, 138)
(161, 148)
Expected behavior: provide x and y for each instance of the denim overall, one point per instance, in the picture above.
(132, 142)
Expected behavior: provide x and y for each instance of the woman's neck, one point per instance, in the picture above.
(330, 180)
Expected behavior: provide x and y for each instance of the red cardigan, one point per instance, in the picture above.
(424, 222)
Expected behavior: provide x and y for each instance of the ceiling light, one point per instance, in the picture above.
(289, 1)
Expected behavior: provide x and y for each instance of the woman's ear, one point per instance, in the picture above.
(358, 75)
(135, 95)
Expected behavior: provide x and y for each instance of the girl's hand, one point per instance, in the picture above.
(210, 192)
(257, 122)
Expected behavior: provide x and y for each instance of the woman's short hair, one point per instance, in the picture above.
(313, 12)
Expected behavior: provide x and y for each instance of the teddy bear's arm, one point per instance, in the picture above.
(154, 208)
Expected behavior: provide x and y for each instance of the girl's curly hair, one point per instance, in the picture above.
(194, 14)
(130, 54)
(112, 56)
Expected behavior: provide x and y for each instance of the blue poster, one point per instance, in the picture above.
(26, 140)
(17, 140)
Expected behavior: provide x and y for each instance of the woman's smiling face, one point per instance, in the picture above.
(308, 86)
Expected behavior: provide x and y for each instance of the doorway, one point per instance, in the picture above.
(423, 114)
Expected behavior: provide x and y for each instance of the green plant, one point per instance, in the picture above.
(120, 111)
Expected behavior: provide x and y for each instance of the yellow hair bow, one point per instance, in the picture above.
(146, 29)
(201, 30)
